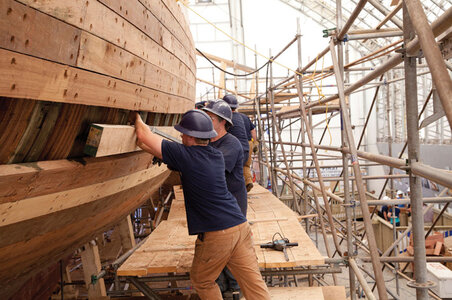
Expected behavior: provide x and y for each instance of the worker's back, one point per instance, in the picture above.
(209, 204)
(238, 130)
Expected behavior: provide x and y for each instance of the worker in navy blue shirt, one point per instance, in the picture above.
(224, 235)
(253, 146)
(221, 114)
(238, 130)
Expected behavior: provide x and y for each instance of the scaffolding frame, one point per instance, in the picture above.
(278, 158)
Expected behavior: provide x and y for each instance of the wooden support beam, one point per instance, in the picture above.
(92, 266)
(104, 139)
(126, 235)
(227, 62)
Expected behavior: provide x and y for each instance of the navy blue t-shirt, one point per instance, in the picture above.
(208, 203)
(232, 151)
(248, 126)
(238, 130)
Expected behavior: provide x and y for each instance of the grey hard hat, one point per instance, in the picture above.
(231, 100)
(220, 108)
(196, 123)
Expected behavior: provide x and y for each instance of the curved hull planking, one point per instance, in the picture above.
(65, 64)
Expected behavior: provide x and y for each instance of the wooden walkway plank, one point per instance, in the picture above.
(296, 293)
(173, 248)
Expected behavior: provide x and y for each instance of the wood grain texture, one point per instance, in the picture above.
(23, 76)
(29, 31)
(19, 211)
(27, 257)
(103, 57)
(104, 139)
(295, 293)
(13, 125)
(100, 20)
(171, 249)
(21, 181)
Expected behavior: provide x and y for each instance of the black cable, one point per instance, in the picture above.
(241, 75)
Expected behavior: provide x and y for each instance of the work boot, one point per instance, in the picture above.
(249, 186)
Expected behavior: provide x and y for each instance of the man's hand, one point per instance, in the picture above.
(146, 140)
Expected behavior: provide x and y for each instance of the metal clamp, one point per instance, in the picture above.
(425, 285)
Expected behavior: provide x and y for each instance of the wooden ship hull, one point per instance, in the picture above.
(64, 65)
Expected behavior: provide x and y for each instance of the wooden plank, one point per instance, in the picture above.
(27, 77)
(20, 181)
(50, 112)
(134, 12)
(28, 31)
(31, 132)
(171, 17)
(29, 229)
(23, 258)
(99, 20)
(104, 139)
(92, 266)
(126, 234)
(18, 211)
(64, 133)
(294, 293)
(103, 57)
(13, 126)
(173, 247)
(334, 292)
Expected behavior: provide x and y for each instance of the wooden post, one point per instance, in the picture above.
(126, 234)
(92, 266)
(222, 84)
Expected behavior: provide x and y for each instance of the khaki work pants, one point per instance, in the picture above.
(232, 247)
(247, 166)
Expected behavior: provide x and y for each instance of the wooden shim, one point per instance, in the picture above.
(14, 212)
(104, 139)
(96, 18)
(28, 31)
(27, 77)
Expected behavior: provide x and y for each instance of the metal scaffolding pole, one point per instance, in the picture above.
(430, 48)
(420, 264)
(359, 182)
(319, 174)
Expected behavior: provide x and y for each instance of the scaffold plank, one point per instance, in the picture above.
(170, 248)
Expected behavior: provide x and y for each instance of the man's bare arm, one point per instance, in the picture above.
(147, 140)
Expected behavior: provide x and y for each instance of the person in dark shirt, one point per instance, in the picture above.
(253, 146)
(221, 114)
(239, 131)
(224, 235)
(385, 209)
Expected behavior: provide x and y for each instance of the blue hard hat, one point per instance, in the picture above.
(219, 108)
(231, 100)
(196, 123)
